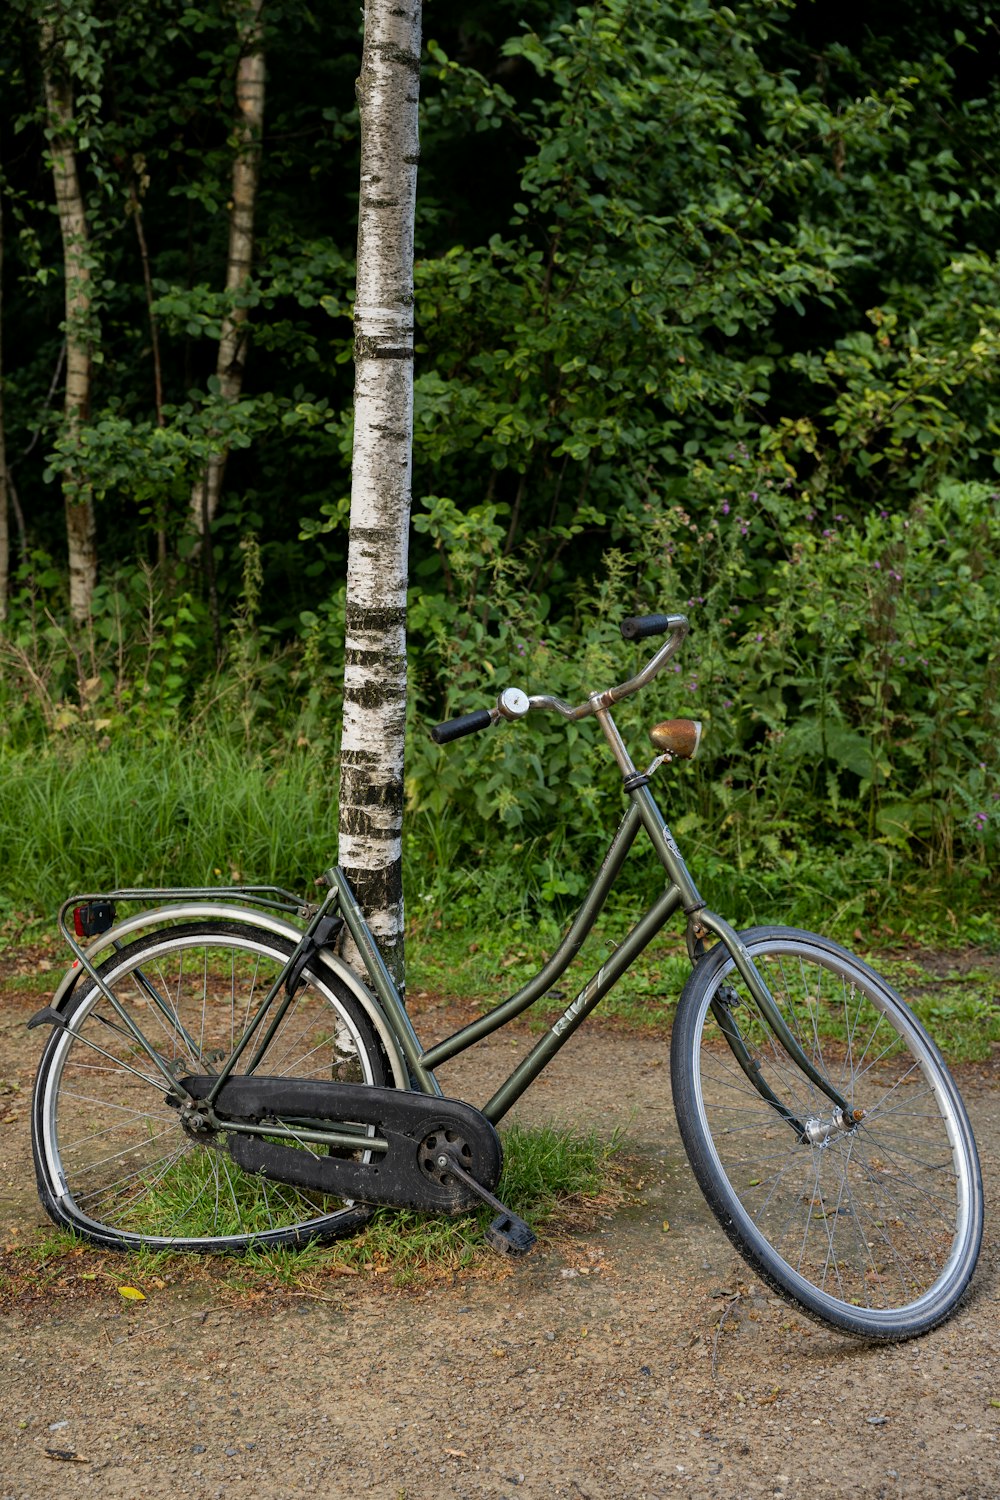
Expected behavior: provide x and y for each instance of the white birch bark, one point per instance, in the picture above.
(4, 489)
(371, 785)
(80, 529)
(231, 359)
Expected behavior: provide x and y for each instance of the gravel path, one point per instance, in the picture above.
(638, 1359)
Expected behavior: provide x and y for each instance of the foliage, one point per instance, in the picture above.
(707, 317)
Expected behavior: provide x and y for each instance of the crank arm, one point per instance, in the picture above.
(508, 1233)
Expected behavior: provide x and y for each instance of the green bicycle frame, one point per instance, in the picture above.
(680, 894)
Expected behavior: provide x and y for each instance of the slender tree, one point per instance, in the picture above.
(371, 787)
(72, 221)
(61, 131)
(4, 488)
(231, 358)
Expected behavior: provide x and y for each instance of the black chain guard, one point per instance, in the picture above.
(404, 1176)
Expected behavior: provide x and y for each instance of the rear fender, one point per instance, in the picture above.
(267, 922)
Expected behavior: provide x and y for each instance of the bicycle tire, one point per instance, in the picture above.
(112, 1161)
(875, 1228)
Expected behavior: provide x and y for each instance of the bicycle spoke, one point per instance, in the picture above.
(107, 1132)
(865, 1216)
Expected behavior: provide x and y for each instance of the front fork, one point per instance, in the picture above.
(813, 1131)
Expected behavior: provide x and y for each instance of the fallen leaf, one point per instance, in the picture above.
(132, 1293)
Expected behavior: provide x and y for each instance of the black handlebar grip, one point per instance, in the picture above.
(453, 729)
(637, 627)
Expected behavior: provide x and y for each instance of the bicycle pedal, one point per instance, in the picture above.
(510, 1235)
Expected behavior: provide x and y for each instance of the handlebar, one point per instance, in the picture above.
(453, 729)
(513, 704)
(638, 627)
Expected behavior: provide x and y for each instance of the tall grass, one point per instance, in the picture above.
(203, 810)
(174, 812)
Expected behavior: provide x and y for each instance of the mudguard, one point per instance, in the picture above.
(268, 922)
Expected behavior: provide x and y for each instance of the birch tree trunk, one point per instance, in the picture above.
(4, 487)
(371, 785)
(80, 530)
(231, 358)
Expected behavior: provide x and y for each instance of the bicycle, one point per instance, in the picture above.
(217, 1077)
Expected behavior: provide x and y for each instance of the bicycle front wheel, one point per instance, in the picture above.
(112, 1159)
(870, 1221)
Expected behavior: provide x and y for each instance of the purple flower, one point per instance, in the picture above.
(725, 507)
(753, 494)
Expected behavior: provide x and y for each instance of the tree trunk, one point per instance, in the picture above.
(4, 487)
(80, 530)
(371, 785)
(246, 170)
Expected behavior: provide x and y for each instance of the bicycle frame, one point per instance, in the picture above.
(680, 894)
(218, 1116)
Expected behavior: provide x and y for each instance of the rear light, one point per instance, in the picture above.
(93, 918)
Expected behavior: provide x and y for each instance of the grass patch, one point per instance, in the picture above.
(489, 966)
(555, 1178)
(194, 811)
(949, 973)
(959, 1005)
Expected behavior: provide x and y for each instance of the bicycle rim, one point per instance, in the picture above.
(872, 1224)
(112, 1160)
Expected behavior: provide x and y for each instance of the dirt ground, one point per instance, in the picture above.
(637, 1359)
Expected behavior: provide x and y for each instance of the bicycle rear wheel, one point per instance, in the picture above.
(872, 1225)
(112, 1160)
